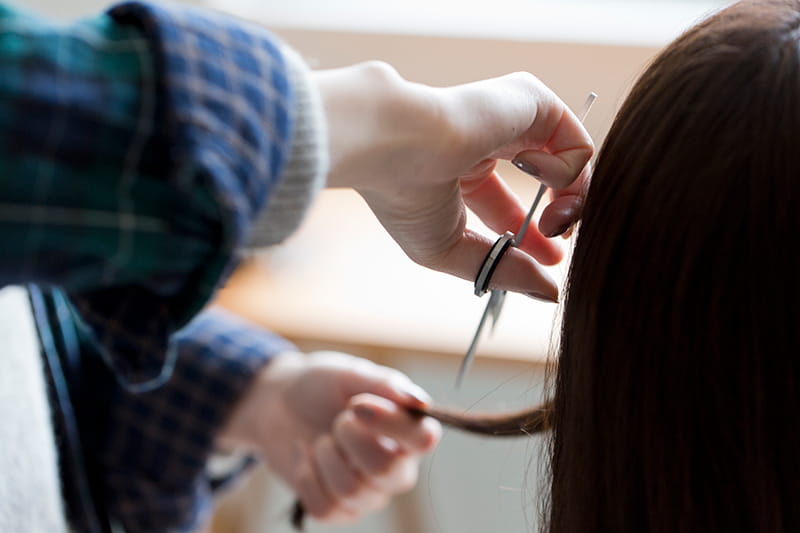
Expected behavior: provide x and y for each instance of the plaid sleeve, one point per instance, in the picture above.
(135, 151)
(159, 442)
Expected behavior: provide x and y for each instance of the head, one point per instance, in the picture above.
(678, 385)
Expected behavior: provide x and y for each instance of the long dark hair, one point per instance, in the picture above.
(678, 384)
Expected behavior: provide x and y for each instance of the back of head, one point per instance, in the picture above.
(679, 382)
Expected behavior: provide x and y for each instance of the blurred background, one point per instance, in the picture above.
(340, 283)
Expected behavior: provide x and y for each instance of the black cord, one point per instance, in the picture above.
(62, 397)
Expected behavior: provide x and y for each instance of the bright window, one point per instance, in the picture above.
(641, 22)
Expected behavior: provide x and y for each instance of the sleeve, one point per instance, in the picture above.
(137, 150)
(159, 442)
(308, 162)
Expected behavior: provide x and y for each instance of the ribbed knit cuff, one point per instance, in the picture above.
(305, 172)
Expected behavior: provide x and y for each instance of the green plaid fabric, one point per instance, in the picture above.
(135, 150)
(77, 206)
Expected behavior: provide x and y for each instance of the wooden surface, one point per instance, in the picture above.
(342, 280)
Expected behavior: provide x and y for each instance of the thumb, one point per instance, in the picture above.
(387, 383)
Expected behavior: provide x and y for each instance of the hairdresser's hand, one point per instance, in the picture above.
(334, 428)
(419, 155)
(565, 207)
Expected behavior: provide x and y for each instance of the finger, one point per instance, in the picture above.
(501, 210)
(560, 215)
(310, 490)
(563, 157)
(579, 187)
(525, 114)
(516, 270)
(342, 482)
(367, 377)
(413, 434)
(557, 169)
(538, 129)
(566, 208)
(380, 460)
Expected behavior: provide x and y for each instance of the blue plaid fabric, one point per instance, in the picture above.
(136, 148)
(226, 99)
(154, 461)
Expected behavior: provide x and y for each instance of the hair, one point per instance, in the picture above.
(678, 380)
(678, 383)
(517, 424)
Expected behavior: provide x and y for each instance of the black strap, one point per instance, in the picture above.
(62, 358)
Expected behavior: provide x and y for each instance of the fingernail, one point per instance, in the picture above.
(417, 402)
(526, 167)
(541, 297)
(365, 413)
(559, 230)
(417, 396)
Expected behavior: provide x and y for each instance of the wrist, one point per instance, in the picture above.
(377, 122)
(260, 409)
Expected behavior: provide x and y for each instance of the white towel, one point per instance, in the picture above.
(30, 497)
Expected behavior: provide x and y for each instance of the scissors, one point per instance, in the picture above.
(507, 240)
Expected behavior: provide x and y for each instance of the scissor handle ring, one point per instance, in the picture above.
(491, 261)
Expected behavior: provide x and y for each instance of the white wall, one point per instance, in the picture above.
(639, 22)
(70, 9)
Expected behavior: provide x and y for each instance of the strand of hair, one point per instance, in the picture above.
(515, 424)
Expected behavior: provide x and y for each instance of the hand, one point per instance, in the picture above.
(419, 155)
(333, 427)
(559, 217)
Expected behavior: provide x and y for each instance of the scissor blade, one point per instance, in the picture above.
(497, 299)
(527, 222)
(466, 363)
(495, 305)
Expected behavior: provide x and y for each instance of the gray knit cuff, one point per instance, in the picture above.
(306, 170)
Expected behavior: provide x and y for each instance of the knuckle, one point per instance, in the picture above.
(380, 68)
(530, 84)
(321, 510)
(332, 512)
(350, 489)
(380, 502)
(344, 425)
(405, 477)
(431, 436)
(380, 72)
(381, 463)
(409, 480)
(525, 77)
